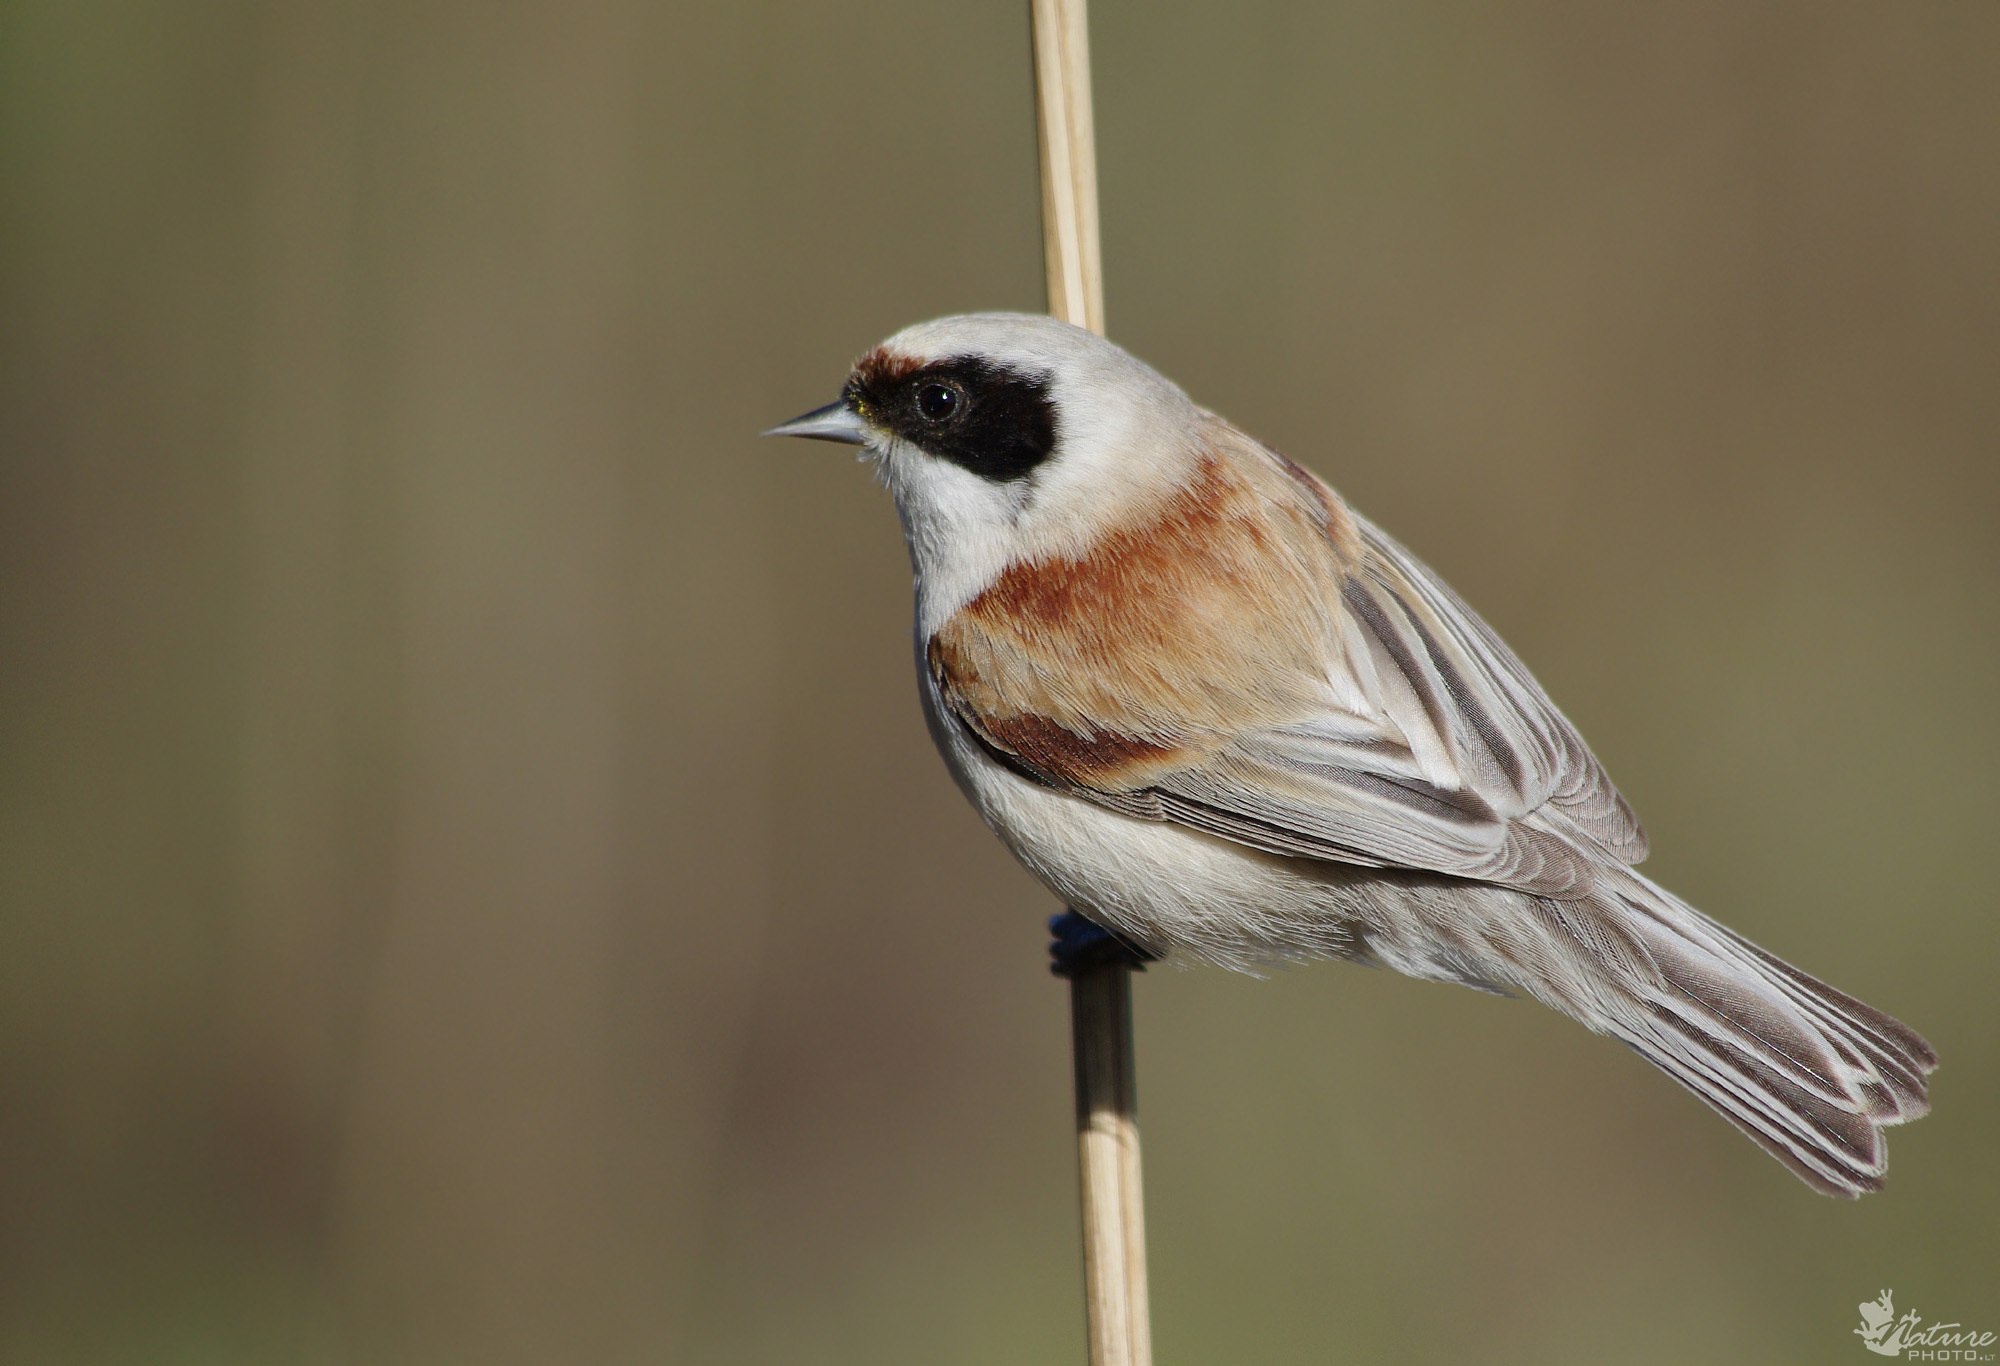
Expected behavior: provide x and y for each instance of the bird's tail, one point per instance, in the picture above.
(1808, 1072)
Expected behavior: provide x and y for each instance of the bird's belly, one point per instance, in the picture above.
(1165, 887)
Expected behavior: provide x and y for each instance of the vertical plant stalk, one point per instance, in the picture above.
(1071, 257)
(1107, 1127)
(1107, 1134)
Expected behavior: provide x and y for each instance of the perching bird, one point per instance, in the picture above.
(1223, 717)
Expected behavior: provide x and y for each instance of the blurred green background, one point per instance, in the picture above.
(476, 886)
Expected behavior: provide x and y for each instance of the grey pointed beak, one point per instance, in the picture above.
(835, 422)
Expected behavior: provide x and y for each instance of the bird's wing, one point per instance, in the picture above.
(1438, 752)
(1503, 725)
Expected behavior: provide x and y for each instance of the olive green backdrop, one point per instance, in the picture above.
(475, 884)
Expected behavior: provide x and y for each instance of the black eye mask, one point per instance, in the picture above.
(997, 422)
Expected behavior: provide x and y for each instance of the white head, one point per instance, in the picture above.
(1008, 437)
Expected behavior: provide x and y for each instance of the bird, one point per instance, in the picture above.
(1226, 719)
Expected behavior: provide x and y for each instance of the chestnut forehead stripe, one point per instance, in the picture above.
(881, 368)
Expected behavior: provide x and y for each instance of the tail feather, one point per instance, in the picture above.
(1809, 1073)
(1872, 1041)
(1834, 1149)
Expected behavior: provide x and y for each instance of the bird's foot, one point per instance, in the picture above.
(1080, 944)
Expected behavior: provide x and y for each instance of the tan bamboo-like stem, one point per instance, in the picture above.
(1107, 1127)
(1107, 1132)
(1070, 255)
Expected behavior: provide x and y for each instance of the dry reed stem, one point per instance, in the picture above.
(1070, 253)
(1114, 1226)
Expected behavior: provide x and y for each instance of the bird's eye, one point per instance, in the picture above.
(937, 402)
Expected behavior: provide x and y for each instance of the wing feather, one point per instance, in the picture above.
(1501, 704)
